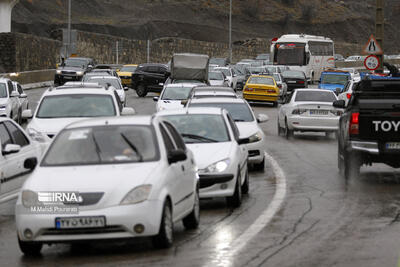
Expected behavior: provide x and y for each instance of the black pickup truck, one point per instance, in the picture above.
(369, 129)
(149, 77)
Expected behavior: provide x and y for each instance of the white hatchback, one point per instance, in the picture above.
(220, 154)
(118, 178)
(172, 96)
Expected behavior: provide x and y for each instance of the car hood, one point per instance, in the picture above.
(247, 129)
(114, 180)
(331, 87)
(206, 154)
(51, 126)
(169, 104)
(71, 69)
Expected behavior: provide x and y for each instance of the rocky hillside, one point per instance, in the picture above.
(349, 21)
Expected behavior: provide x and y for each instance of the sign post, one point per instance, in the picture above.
(374, 61)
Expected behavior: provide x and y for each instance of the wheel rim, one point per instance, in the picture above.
(168, 223)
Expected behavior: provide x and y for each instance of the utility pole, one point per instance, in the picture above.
(148, 51)
(117, 50)
(69, 29)
(230, 31)
(379, 29)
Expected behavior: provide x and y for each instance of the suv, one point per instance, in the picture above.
(9, 102)
(73, 69)
(149, 77)
(369, 129)
(63, 105)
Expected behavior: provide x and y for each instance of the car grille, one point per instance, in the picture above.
(69, 72)
(253, 153)
(84, 231)
(88, 199)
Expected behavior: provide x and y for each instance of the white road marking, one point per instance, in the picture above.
(265, 218)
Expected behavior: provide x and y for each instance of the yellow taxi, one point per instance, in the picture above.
(125, 74)
(261, 88)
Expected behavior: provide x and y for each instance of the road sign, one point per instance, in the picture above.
(372, 47)
(372, 62)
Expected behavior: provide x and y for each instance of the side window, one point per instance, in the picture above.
(19, 88)
(176, 136)
(10, 87)
(17, 135)
(169, 145)
(4, 136)
(118, 101)
(234, 127)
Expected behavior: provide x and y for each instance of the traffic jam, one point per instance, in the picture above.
(201, 161)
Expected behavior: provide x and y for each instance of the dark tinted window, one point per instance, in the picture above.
(315, 96)
(4, 136)
(10, 87)
(19, 88)
(177, 138)
(234, 127)
(153, 69)
(169, 145)
(17, 135)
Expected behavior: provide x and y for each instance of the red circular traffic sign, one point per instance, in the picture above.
(372, 62)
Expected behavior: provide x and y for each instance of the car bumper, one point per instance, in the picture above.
(120, 221)
(67, 78)
(217, 185)
(256, 153)
(261, 97)
(323, 124)
(126, 81)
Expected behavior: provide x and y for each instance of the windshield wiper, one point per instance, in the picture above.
(239, 120)
(133, 147)
(198, 137)
(98, 151)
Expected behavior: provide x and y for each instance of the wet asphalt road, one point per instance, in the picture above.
(323, 221)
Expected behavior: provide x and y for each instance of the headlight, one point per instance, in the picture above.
(37, 136)
(79, 73)
(29, 198)
(219, 166)
(58, 71)
(255, 137)
(137, 195)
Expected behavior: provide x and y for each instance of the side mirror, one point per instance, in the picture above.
(27, 114)
(176, 156)
(262, 118)
(30, 163)
(155, 99)
(14, 94)
(126, 88)
(339, 104)
(127, 111)
(10, 149)
(184, 102)
(23, 95)
(243, 141)
(338, 91)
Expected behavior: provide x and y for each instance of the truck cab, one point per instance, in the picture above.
(334, 80)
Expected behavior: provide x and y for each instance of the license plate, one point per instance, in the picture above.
(291, 82)
(318, 112)
(67, 78)
(80, 222)
(393, 145)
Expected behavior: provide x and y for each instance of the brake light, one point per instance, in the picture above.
(280, 85)
(271, 91)
(348, 96)
(354, 124)
(302, 82)
(298, 111)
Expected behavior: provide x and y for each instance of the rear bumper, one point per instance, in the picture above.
(369, 147)
(319, 124)
(261, 97)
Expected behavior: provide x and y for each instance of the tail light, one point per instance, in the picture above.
(271, 91)
(280, 85)
(247, 89)
(301, 82)
(298, 111)
(348, 95)
(354, 124)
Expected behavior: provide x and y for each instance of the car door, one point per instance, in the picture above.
(174, 176)
(187, 166)
(152, 77)
(16, 176)
(241, 153)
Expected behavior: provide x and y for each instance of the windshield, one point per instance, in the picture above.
(238, 111)
(292, 54)
(103, 82)
(102, 145)
(128, 69)
(78, 63)
(293, 74)
(74, 106)
(261, 80)
(3, 90)
(215, 76)
(277, 77)
(315, 96)
(176, 93)
(200, 128)
(334, 79)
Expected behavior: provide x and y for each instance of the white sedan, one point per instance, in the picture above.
(220, 154)
(109, 178)
(309, 110)
(172, 96)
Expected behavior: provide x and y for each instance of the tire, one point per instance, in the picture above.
(19, 118)
(246, 184)
(165, 236)
(259, 166)
(340, 164)
(30, 248)
(192, 221)
(275, 104)
(351, 165)
(280, 130)
(288, 132)
(141, 90)
(236, 200)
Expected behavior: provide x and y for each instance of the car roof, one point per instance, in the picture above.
(262, 75)
(214, 88)
(216, 100)
(130, 65)
(181, 85)
(122, 120)
(214, 92)
(313, 90)
(76, 89)
(191, 110)
(104, 77)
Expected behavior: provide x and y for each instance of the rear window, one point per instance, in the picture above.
(261, 80)
(293, 74)
(238, 111)
(315, 96)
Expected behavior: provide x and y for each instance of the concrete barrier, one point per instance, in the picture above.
(32, 79)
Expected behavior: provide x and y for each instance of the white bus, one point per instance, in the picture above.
(307, 53)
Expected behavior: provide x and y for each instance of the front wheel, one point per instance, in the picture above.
(165, 236)
(352, 165)
(193, 219)
(141, 90)
(236, 200)
(288, 132)
(246, 184)
(30, 248)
